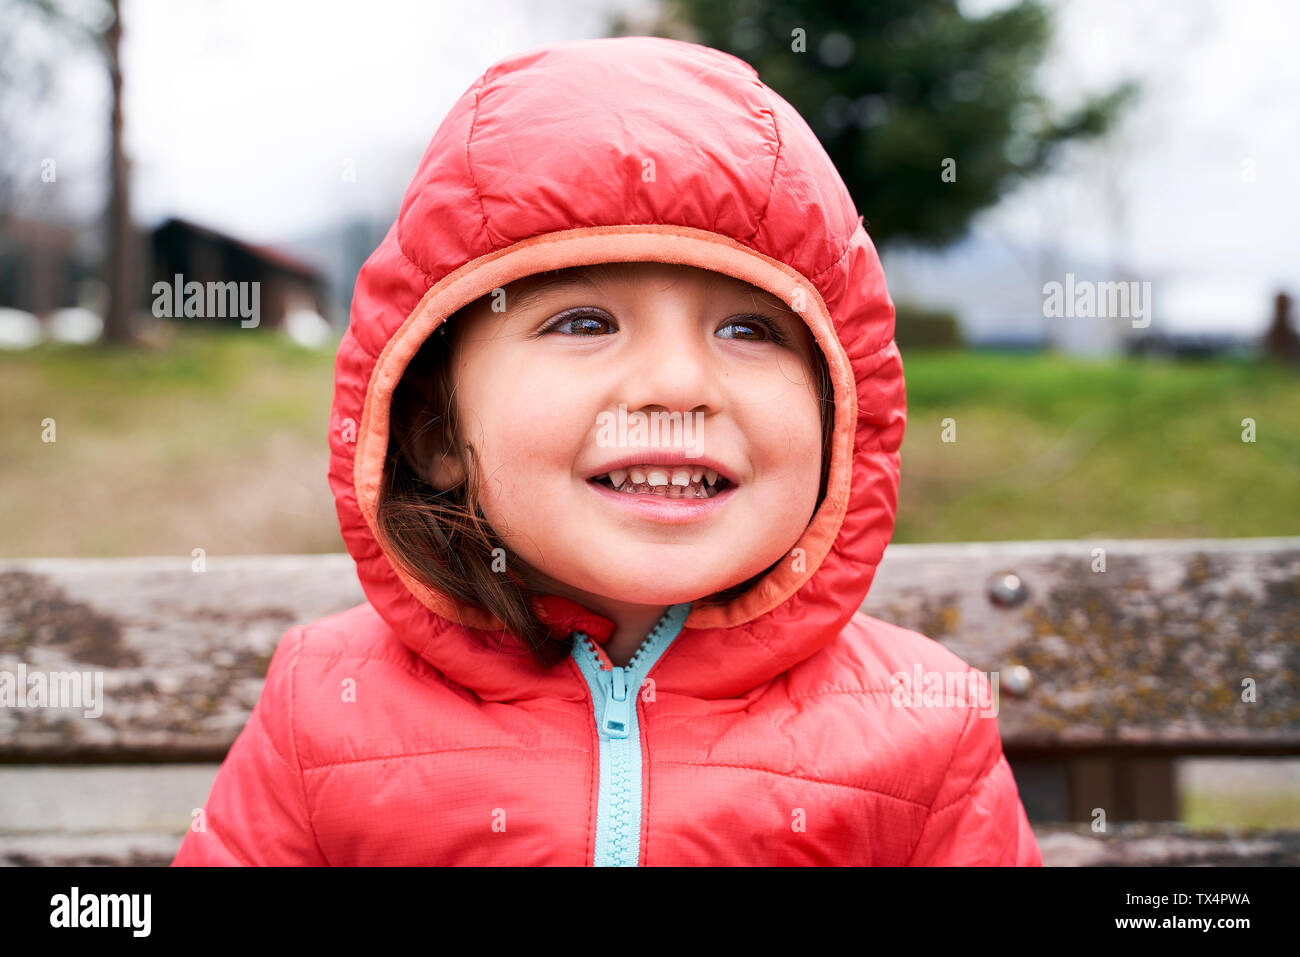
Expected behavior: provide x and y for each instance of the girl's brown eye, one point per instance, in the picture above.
(585, 321)
(752, 323)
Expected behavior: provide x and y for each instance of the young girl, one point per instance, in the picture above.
(615, 447)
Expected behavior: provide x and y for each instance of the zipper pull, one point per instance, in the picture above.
(618, 711)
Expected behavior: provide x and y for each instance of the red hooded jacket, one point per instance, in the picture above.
(764, 731)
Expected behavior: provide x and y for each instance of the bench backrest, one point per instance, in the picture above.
(1177, 647)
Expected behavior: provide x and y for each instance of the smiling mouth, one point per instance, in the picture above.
(687, 483)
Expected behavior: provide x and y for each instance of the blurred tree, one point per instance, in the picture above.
(1281, 341)
(25, 83)
(96, 23)
(929, 115)
(120, 238)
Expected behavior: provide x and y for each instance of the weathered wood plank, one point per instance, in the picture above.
(1165, 845)
(1147, 656)
(183, 654)
(1134, 845)
(143, 849)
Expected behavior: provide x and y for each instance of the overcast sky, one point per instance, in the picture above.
(1198, 185)
(242, 114)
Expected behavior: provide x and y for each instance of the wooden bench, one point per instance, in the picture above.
(1104, 677)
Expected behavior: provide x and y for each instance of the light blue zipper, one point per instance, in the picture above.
(613, 697)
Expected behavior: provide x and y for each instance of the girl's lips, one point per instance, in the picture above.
(659, 508)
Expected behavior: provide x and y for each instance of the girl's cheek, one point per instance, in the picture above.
(535, 433)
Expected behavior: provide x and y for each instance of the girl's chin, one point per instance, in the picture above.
(650, 588)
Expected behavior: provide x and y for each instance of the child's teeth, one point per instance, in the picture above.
(674, 482)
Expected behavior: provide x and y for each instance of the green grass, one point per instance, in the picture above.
(218, 440)
(215, 440)
(1212, 810)
(1052, 447)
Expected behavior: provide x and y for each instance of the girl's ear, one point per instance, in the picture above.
(446, 470)
(429, 450)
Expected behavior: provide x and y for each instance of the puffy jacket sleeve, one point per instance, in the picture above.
(256, 812)
(976, 818)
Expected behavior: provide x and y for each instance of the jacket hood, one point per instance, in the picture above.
(539, 166)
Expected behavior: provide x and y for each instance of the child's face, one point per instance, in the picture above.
(653, 338)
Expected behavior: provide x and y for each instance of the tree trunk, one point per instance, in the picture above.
(119, 239)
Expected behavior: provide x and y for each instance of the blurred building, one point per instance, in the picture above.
(43, 265)
(46, 267)
(199, 254)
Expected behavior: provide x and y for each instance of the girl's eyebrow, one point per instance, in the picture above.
(538, 286)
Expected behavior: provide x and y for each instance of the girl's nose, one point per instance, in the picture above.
(671, 370)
